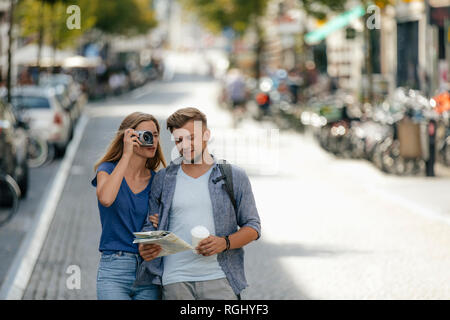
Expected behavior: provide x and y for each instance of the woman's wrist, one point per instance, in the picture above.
(126, 157)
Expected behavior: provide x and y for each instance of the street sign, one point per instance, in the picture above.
(335, 24)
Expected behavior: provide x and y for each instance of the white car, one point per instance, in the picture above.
(44, 114)
(68, 89)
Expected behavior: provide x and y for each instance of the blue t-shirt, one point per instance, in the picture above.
(126, 215)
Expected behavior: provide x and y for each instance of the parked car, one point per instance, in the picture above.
(62, 95)
(44, 114)
(68, 91)
(13, 147)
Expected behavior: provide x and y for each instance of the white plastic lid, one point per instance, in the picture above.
(200, 232)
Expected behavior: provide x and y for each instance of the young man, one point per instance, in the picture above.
(190, 192)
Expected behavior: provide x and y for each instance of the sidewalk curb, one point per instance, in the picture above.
(21, 269)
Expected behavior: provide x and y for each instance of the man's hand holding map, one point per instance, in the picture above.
(169, 242)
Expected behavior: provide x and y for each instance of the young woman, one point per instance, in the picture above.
(123, 180)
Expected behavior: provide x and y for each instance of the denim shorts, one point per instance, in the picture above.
(116, 276)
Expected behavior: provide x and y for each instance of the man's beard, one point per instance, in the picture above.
(196, 160)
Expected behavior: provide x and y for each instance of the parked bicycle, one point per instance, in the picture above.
(40, 151)
(9, 198)
(394, 134)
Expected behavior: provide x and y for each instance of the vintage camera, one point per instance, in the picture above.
(146, 138)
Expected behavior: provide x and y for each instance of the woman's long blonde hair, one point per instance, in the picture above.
(115, 148)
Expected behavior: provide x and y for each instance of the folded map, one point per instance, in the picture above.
(169, 242)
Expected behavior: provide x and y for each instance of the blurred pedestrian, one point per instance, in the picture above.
(123, 180)
(236, 92)
(236, 89)
(294, 82)
(25, 78)
(114, 83)
(192, 191)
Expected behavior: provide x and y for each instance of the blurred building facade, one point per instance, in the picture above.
(4, 9)
(283, 25)
(408, 41)
(414, 45)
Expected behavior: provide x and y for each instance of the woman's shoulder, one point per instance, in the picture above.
(107, 166)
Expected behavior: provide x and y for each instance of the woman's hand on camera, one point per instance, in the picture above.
(130, 140)
(149, 252)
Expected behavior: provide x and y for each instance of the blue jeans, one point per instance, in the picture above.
(116, 276)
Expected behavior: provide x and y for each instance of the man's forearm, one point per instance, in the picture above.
(244, 236)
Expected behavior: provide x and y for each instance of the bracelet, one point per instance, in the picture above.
(228, 243)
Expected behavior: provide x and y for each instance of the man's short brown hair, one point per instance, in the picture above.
(183, 116)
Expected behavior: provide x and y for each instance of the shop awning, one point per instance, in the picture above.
(336, 23)
(28, 56)
(81, 62)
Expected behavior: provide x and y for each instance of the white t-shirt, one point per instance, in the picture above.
(191, 206)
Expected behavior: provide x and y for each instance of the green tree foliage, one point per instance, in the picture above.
(220, 14)
(124, 17)
(118, 17)
(239, 14)
(47, 18)
(321, 8)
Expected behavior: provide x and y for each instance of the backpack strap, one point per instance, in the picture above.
(225, 170)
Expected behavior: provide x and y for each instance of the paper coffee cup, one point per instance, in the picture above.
(198, 233)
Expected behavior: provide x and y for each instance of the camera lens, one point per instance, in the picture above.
(148, 137)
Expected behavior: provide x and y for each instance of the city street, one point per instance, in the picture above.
(331, 229)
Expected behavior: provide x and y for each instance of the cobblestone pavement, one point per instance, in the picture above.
(327, 231)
